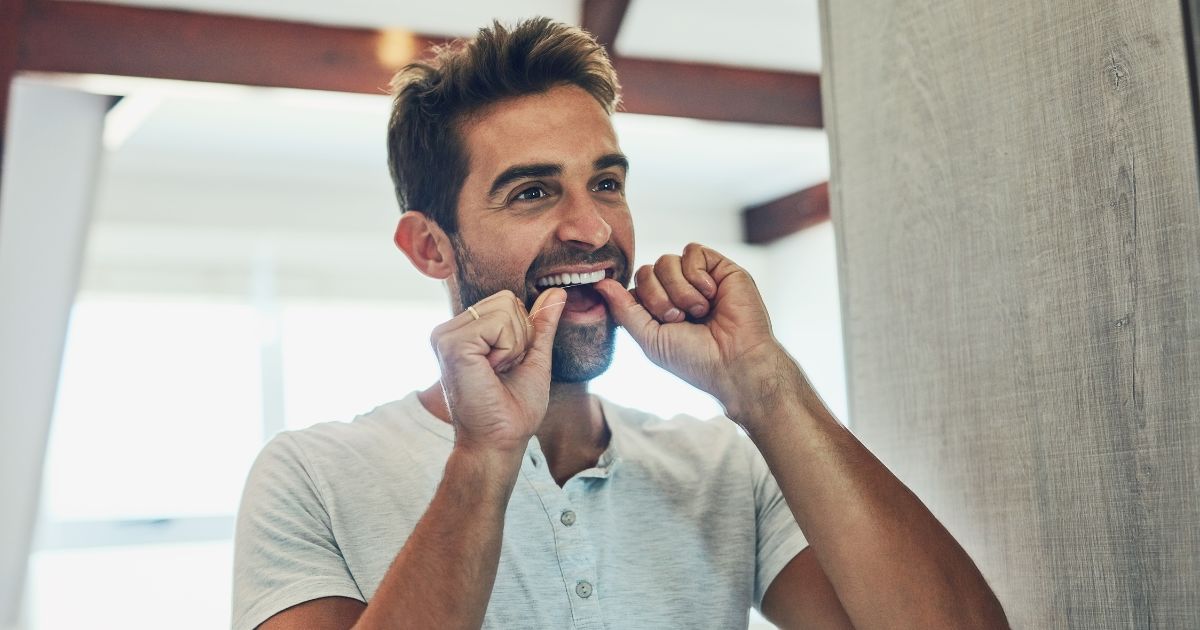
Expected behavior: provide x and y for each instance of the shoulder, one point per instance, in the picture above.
(392, 435)
(391, 427)
(684, 440)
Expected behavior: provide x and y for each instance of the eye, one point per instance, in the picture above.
(609, 185)
(533, 193)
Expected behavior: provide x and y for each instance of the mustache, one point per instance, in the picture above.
(567, 256)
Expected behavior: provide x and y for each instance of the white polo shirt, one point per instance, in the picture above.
(680, 524)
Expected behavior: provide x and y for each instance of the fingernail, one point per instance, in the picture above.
(697, 311)
(673, 314)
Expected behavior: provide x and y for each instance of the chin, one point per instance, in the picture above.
(581, 353)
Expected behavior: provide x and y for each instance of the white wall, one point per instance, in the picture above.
(50, 163)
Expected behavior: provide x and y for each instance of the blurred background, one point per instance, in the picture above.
(237, 276)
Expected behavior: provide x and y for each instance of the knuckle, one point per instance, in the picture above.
(666, 262)
(437, 335)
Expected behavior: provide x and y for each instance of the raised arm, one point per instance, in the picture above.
(889, 560)
(876, 552)
(496, 376)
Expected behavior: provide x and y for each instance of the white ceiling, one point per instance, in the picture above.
(773, 34)
(223, 164)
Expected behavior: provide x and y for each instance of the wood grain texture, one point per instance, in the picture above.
(1015, 196)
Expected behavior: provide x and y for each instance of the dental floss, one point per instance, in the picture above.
(543, 307)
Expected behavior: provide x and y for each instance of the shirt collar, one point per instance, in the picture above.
(604, 465)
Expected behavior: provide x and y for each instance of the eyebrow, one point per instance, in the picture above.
(523, 171)
(610, 160)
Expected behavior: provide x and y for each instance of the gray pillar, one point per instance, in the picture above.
(51, 154)
(1015, 196)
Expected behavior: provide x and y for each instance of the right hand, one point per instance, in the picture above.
(496, 370)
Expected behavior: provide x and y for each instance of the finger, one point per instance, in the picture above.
(545, 315)
(465, 317)
(490, 337)
(500, 309)
(520, 321)
(511, 364)
(506, 302)
(654, 297)
(628, 312)
(669, 271)
(502, 336)
(695, 268)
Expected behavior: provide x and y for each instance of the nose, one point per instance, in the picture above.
(582, 223)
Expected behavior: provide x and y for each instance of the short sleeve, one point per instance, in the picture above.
(779, 537)
(284, 550)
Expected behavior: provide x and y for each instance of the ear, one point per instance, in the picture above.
(425, 244)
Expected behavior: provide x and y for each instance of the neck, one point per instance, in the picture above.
(573, 434)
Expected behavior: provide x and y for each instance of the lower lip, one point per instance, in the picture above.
(597, 313)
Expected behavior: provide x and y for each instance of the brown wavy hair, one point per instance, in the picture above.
(426, 154)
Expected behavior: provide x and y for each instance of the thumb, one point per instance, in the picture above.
(545, 314)
(628, 312)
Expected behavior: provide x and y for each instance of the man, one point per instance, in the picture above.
(507, 496)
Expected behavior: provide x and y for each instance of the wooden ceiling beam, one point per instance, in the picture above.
(787, 215)
(93, 38)
(602, 18)
(711, 92)
(12, 14)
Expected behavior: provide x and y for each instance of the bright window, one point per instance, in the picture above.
(345, 358)
(180, 586)
(158, 410)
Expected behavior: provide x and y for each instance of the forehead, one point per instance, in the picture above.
(563, 125)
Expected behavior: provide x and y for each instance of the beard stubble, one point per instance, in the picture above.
(581, 351)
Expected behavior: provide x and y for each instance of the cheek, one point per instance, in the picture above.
(504, 265)
(622, 233)
(503, 251)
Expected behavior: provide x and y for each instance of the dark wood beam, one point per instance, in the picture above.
(710, 92)
(93, 38)
(787, 215)
(12, 13)
(602, 18)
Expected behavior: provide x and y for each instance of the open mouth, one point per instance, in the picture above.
(582, 297)
(567, 280)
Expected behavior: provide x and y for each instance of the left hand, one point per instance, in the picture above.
(722, 343)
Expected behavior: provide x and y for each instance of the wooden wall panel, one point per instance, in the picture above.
(1015, 197)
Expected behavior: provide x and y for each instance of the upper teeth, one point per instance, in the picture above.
(558, 279)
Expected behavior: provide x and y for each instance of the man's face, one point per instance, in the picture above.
(545, 195)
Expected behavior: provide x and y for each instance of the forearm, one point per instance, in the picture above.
(443, 576)
(890, 561)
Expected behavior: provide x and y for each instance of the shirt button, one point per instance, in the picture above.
(568, 519)
(583, 589)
